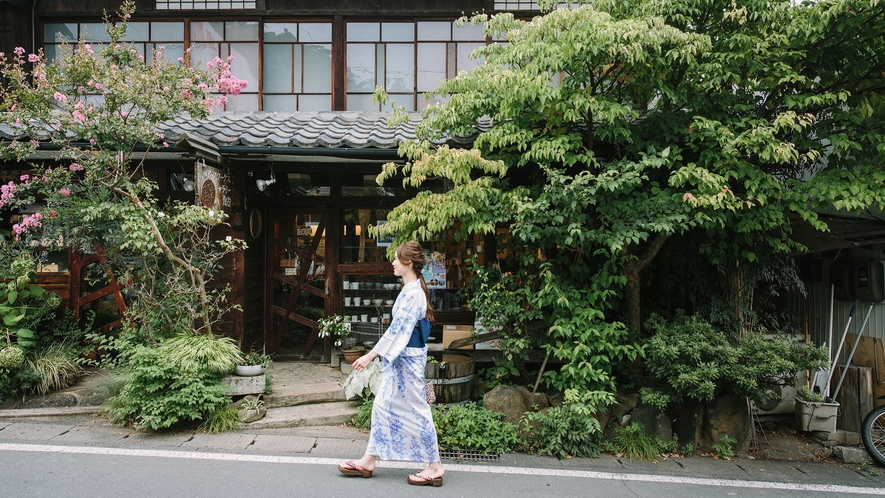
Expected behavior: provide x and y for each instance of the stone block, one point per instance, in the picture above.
(237, 385)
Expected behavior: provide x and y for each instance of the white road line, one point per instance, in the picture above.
(588, 474)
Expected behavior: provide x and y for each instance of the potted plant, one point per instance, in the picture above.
(813, 413)
(338, 328)
(351, 353)
(254, 363)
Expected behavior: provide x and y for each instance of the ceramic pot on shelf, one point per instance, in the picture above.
(351, 354)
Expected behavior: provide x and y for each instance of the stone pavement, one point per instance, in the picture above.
(78, 424)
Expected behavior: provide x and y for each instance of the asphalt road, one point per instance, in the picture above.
(42, 470)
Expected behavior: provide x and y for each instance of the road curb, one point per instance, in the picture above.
(50, 412)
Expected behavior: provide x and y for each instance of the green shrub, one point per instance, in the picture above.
(160, 393)
(224, 419)
(363, 417)
(688, 359)
(633, 442)
(472, 427)
(570, 430)
(209, 352)
(724, 449)
(57, 366)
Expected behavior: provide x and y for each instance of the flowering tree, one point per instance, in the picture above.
(101, 106)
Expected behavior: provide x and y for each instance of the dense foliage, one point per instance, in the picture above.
(606, 129)
(688, 359)
(101, 106)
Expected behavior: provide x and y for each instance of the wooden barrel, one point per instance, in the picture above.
(451, 375)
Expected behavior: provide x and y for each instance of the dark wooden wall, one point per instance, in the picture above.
(15, 26)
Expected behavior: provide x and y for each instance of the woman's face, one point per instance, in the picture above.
(400, 268)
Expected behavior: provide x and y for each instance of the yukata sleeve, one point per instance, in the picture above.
(410, 307)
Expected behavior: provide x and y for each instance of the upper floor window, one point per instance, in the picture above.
(297, 66)
(407, 59)
(212, 39)
(146, 36)
(203, 5)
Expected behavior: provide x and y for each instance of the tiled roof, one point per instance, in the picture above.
(297, 129)
(290, 129)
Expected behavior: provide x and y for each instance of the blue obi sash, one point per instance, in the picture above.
(419, 334)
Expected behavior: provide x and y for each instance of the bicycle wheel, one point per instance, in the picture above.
(873, 433)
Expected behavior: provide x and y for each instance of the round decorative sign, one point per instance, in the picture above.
(207, 193)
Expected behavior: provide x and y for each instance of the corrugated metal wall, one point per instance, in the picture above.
(816, 307)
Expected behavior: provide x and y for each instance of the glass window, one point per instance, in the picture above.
(204, 4)
(207, 31)
(241, 31)
(57, 33)
(314, 102)
(280, 32)
(95, 32)
(294, 65)
(318, 69)
(431, 65)
(363, 32)
(397, 32)
(400, 68)
(245, 64)
(360, 68)
(162, 31)
(434, 31)
(280, 73)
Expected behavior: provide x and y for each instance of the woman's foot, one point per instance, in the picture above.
(355, 468)
(422, 479)
(431, 476)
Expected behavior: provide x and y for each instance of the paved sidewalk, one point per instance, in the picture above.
(80, 426)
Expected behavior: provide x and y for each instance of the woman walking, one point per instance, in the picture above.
(402, 424)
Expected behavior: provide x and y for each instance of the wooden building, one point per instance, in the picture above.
(293, 159)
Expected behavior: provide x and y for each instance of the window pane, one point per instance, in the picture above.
(242, 31)
(278, 68)
(173, 51)
(431, 65)
(360, 68)
(203, 53)
(281, 103)
(468, 33)
(58, 32)
(363, 31)
(138, 31)
(317, 68)
(245, 63)
(406, 101)
(436, 31)
(315, 33)
(397, 31)
(281, 32)
(360, 103)
(51, 52)
(465, 64)
(167, 31)
(400, 68)
(315, 103)
(242, 102)
(95, 32)
(207, 31)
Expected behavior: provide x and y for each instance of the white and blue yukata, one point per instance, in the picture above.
(402, 425)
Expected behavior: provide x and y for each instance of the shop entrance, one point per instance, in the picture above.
(296, 293)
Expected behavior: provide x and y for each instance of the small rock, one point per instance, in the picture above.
(849, 454)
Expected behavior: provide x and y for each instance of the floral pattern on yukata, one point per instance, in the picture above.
(402, 424)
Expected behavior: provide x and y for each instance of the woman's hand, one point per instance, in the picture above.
(363, 361)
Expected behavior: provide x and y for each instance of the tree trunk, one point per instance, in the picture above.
(632, 268)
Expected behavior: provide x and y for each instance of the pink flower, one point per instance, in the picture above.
(65, 192)
(99, 86)
(75, 167)
(24, 178)
(165, 144)
(78, 116)
(19, 51)
(60, 97)
(53, 212)
(33, 58)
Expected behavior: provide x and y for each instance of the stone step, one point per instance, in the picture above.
(320, 392)
(330, 413)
